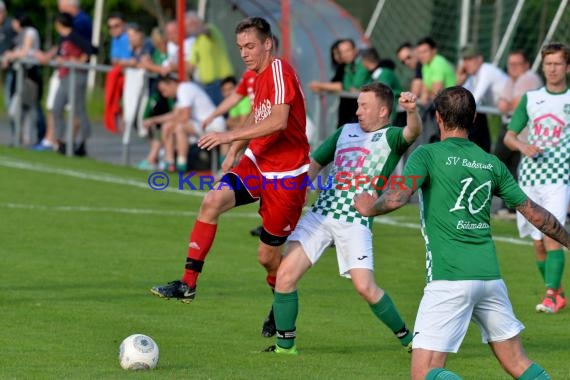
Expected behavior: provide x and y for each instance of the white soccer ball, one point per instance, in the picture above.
(138, 352)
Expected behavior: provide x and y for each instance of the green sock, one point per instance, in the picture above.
(534, 372)
(442, 374)
(285, 308)
(541, 268)
(554, 268)
(386, 311)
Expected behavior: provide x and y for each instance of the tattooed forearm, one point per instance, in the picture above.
(544, 221)
(391, 200)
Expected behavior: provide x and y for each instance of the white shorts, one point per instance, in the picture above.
(52, 90)
(553, 198)
(447, 307)
(353, 241)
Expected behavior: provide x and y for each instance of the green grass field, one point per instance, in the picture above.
(82, 242)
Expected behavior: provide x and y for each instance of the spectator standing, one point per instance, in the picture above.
(209, 58)
(407, 57)
(171, 32)
(157, 104)
(139, 44)
(72, 48)
(82, 23)
(355, 75)
(27, 43)
(437, 72)
(545, 164)
(120, 46)
(7, 35)
(520, 80)
(485, 81)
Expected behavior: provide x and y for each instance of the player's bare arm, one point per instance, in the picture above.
(275, 122)
(223, 108)
(370, 205)
(513, 143)
(544, 221)
(314, 169)
(413, 128)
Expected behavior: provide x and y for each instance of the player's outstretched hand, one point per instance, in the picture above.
(364, 204)
(212, 140)
(408, 101)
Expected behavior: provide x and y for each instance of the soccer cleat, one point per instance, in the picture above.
(269, 329)
(548, 306)
(561, 301)
(175, 289)
(408, 348)
(280, 350)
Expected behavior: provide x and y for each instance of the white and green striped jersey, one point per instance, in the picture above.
(547, 116)
(457, 181)
(371, 156)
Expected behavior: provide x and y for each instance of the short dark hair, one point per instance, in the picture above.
(555, 47)
(456, 106)
(23, 19)
(404, 45)
(427, 40)
(135, 26)
(168, 78)
(370, 54)
(260, 25)
(349, 40)
(64, 19)
(382, 92)
(231, 79)
(520, 52)
(118, 15)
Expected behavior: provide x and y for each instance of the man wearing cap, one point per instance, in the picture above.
(485, 81)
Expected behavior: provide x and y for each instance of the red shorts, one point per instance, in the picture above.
(281, 200)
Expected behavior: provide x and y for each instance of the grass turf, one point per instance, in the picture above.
(82, 242)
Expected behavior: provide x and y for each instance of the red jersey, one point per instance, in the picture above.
(284, 153)
(246, 86)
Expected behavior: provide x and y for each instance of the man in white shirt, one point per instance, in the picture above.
(171, 32)
(521, 79)
(485, 81)
(184, 124)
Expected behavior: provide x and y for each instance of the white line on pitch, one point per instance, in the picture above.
(232, 214)
(99, 177)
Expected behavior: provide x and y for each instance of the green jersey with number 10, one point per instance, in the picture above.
(457, 181)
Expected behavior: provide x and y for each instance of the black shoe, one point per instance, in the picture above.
(269, 329)
(80, 150)
(256, 231)
(175, 289)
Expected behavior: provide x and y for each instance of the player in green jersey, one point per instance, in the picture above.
(545, 167)
(457, 180)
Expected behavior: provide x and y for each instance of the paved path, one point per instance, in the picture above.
(102, 146)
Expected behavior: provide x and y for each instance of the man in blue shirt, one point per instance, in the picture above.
(120, 47)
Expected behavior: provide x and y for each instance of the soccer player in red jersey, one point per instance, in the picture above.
(273, 168)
